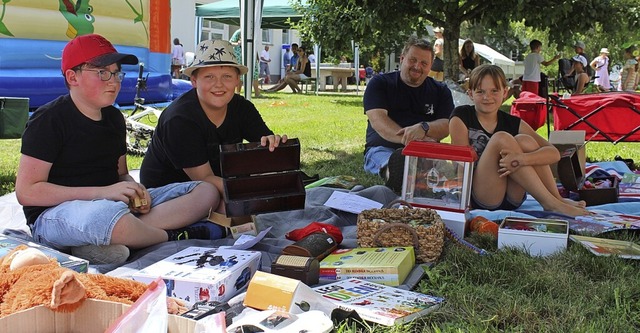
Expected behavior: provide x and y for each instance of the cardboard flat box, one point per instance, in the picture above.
(273, 292)
(385, 265)
(199, 273)
(538, 237)
(257, 180)
(92, 316)
(564, 140)
(240, 225)
(7, 243)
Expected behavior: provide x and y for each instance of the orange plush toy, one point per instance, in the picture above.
(29, 278)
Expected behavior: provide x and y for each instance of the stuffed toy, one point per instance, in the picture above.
(29, 278)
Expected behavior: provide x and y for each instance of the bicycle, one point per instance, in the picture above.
(139, 134)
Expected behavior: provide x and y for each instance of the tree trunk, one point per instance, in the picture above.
(451, 59)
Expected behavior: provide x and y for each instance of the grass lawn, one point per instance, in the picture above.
(506, 291)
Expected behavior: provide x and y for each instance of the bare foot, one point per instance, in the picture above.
(580, 203)
(571, 210)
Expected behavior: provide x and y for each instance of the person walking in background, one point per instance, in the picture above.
(513, 159)
(177, 58)
(286, 60)
(629, 70)
(532, 62)
(265, 59)
(469, 59)
(601, 65)
(73, 181)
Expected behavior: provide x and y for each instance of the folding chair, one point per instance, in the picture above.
(612, 117)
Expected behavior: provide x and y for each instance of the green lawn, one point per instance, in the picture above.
(506, 291)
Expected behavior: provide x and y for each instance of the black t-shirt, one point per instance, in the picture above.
(83, 152)
(404, 104)
(186, 138)
(478, 136)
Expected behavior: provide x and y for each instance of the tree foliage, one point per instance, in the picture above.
(383, 25)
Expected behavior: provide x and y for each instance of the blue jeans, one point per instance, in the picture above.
(377, 158)
(84, 222)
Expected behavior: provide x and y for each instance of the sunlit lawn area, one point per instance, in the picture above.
(573, 291)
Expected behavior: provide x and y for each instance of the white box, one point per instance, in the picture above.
(538, 237)
(455, 221)
(223, 273)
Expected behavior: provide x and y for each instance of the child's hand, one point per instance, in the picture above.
(141, 204)
(509, 163)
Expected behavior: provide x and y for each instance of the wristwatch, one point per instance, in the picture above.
(425, 127)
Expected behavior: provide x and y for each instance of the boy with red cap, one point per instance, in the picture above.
(73, 180)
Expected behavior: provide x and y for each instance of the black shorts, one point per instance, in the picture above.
(506, 204)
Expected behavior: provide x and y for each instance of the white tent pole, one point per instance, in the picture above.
(251, 17)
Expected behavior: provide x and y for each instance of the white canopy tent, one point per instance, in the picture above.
(494, 57)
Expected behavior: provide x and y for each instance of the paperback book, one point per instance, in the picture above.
(608, 247)
(379, 303)
(386, 265)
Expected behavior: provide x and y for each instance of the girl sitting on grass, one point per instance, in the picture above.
(512, 158)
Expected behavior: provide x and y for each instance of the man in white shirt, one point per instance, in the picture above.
(265, 59)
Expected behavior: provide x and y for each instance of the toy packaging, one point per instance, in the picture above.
(204, 274)
(7, 243)
(538, 237)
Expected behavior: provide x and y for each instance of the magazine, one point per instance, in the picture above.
(602, 221)
(379, 303)
(629, 185)
(608, 247)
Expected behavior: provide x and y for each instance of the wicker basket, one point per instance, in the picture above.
(386, 227)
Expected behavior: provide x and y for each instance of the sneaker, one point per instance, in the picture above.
(102, 254)
(395, 171)
(198, 230)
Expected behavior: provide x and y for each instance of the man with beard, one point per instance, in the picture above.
(404, 106)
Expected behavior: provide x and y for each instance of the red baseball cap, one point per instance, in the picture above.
(93, 49)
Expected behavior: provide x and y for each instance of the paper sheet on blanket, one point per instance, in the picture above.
(351, 203)
(246, 242)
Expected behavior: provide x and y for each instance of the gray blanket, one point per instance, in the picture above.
(282, 222)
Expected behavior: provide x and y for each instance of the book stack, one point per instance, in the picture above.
(386, 265)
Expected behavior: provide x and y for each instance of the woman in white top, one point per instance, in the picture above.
(601, 65)
(177, 58)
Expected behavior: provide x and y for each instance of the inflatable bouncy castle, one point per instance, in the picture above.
(34, 32)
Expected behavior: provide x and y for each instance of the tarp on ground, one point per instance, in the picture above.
(275, 13)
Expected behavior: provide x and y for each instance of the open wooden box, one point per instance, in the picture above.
(572, 178)
(259, 181)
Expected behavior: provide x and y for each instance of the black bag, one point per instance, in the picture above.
(14, 113)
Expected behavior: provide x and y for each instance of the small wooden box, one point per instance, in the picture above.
(259, 181)
(303, 269)
(572, 178)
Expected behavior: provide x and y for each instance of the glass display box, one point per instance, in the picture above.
(438, 176)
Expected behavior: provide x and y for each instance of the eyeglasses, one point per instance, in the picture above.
(105, 75)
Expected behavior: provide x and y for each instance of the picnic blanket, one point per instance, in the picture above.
(315, 210)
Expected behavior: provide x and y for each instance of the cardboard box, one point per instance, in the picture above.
(572, 178)
(92, 316)
(240, 225)
(200, 273)
(257, 180)
(7, 243)
(564, 140)
(538, 237)
(273, 292)
(385, 265)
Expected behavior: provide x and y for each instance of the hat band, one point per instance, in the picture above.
(206, 63)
